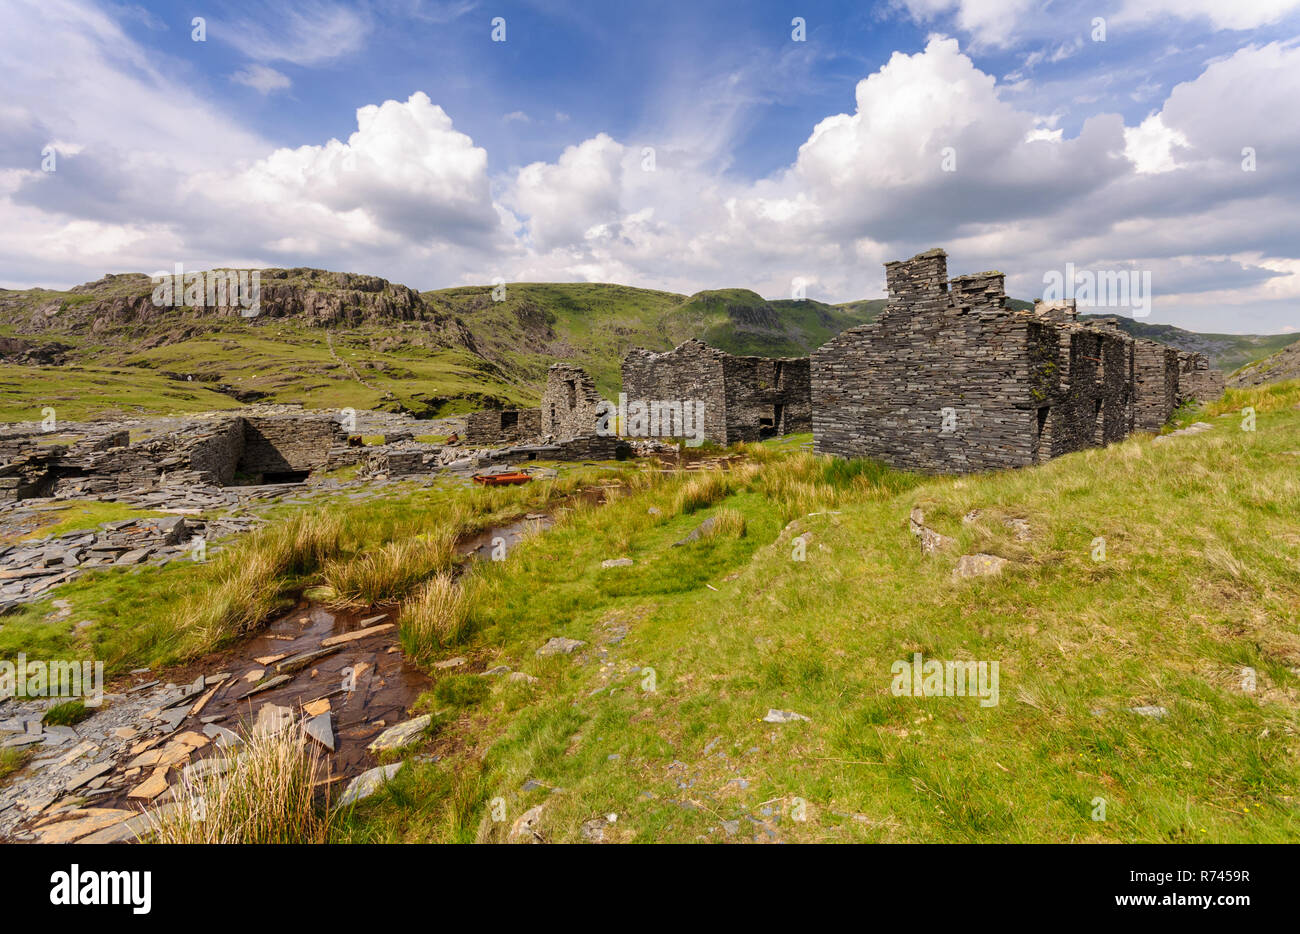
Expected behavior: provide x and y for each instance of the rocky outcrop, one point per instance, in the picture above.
(317, 297)
(1283, 365)
(26, 353)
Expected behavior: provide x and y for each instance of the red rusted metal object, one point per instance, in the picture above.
(502, 479)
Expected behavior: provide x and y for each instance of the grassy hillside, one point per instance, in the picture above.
(1123, 673)
(331, 340)
(1280, 365)
(334, 340)
(594, 324)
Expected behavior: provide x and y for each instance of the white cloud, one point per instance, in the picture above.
(408, 195)
(261, 78)
(306, 32)
(1236, 14)
(1150, 146)
(406, 174)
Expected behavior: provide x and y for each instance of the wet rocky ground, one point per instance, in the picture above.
(341, 675)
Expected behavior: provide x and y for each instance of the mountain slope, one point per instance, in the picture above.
(335, 340)
(594, 324)
(1280, 365)
(1227, 352)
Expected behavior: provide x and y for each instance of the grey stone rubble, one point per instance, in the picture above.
(71, 762)
(783, 716)
(559, 645)
(29, 569)
(130, 746)
(368, 782)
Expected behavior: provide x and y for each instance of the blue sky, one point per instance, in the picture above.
(677, 145)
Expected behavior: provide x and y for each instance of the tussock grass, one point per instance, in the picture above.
(805, 482)
(1268, 398)
(244, 583)
(267, 796)
(727, 523)
(389, 572)
(67, 713)
(437, 617)
(701, 491)
(13, 759)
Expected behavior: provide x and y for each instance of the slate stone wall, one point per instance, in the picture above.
(746, 398)
(502, 426)
(1196, 381)
(950, 380)
(1155, 384)
(569, 402)
(275, 444)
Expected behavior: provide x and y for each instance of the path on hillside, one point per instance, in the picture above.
(329, 340)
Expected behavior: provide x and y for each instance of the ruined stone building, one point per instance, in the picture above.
(502, 426)
(950, 380)
(744, 398)
(1196, 381)
(570, 403)
(212, 452)
(1155, 384)
(1093, 401)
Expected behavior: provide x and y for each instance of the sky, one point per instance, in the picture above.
(789, 148)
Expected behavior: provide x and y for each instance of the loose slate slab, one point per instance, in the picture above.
(303, 659)
(319, 729)
(267, 685)
(560, 646)
(354, 636)
(700, 531)
(317, 707)
(205, 767)
(151, 787)
(86, 775)
(368, 782)
(783, 716)
(400, 734)
(273, 719)
(980, 565)
(87, 822)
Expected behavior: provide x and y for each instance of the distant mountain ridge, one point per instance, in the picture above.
(1227, 352)
(334, 339)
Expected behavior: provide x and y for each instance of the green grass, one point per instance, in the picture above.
(658, 718)
(1189, 595)
(75, 516)
(66, 714)
(11, 760)
(81, 392)
(153, 616)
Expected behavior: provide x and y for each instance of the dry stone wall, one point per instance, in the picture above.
(1155, 384)
(207, 452)
(949, 379)
(1196, 381)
